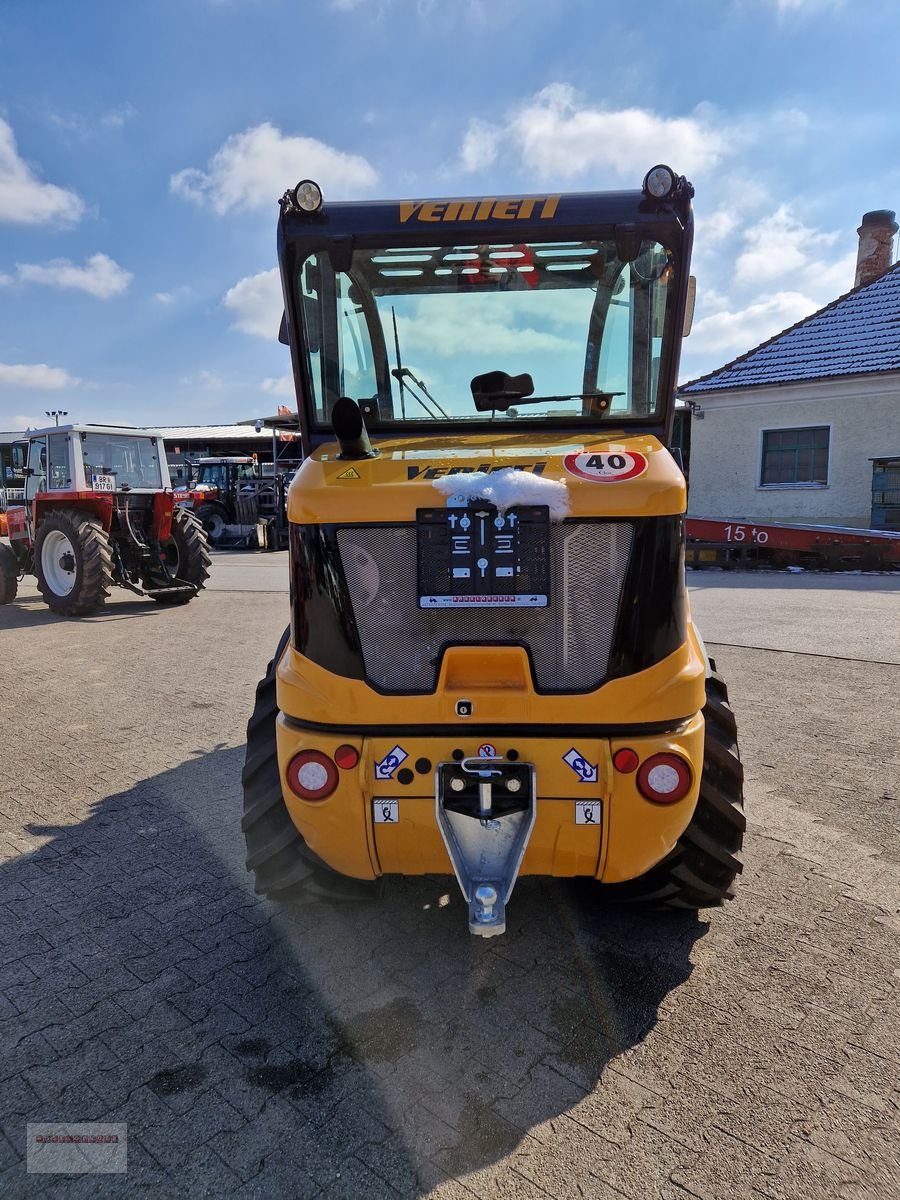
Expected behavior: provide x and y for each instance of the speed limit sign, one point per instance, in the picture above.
(613, 466)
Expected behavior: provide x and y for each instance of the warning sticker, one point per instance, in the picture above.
(486, 750)
(386, 812)
(586, 772)
(350, 473)
(587, 812)
(614, 467)
(389, 764)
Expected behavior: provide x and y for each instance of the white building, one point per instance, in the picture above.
(788, 431)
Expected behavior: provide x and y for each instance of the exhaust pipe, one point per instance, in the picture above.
(350, 429)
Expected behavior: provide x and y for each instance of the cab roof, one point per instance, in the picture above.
(114, 430)
(547, 214)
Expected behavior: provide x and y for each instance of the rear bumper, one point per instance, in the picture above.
(590, 819)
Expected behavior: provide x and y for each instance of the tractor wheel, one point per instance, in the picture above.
(700, 871)
(285, 869)
(9, 575)
(213, 518)
(72, 562)
(187, 556)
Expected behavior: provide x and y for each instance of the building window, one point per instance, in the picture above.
(795, 456)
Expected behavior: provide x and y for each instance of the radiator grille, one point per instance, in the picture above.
(569, 640)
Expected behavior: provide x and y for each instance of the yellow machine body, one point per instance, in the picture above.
(485, 698)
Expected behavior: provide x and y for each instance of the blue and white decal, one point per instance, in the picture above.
(389, 764)
(586, 772)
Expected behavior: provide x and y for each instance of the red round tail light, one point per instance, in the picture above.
(346, 757)
(664, 778)
(625, 760)
(312, 775)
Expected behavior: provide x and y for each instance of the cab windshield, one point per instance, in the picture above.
(134, 461)
(404, 332)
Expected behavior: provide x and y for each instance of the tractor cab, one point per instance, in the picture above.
(226, 474)
(13, 455)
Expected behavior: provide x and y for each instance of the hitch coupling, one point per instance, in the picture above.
(486, 812)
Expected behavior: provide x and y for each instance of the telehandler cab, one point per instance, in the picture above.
(491, 666)
(98, 510)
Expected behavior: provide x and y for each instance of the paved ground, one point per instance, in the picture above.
(378, 1052)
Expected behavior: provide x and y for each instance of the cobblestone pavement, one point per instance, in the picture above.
(381, 1051)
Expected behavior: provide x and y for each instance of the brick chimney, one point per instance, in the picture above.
(876, 240)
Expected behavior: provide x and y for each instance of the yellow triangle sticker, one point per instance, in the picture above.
(350, 473)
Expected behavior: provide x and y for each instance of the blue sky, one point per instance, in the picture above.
(143, 146)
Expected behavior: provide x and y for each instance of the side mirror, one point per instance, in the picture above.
(283, 335)
(495, 390)
(690, 302)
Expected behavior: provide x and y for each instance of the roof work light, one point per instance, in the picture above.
(659, 182)
(308, 196)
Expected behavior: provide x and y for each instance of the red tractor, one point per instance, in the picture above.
(99, 511)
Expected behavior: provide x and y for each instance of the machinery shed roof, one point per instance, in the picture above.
(857, 334)
(213, 432)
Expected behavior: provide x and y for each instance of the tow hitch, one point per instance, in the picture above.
(485, 812)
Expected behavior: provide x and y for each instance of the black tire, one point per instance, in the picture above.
(187, 556)
(284, 867)
(9, 575)
(700, 871)
(213, 517)
(91, 561)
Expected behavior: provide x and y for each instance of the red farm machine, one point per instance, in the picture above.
(98, 511)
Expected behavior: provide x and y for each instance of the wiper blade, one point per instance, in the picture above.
(501, 403)
(402, 373)
(571, 396)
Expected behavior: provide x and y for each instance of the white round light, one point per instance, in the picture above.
(312, 777)
(308, 196)
(663, 779)
(457, 784)
(659, 181)
(514, 785)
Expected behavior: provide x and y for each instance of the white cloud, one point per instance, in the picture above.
(284, 386)
(788, 6)
(555, 135)
(205, 381)
(781, 247)
(778, 245)
(257, 304)
(252, 169)
(503, 323)
(101, 276)
(36, 375)
(83, 129)
(480, 145)
(728, 333)
(24, 200)
(116, 118)
(5, 280)
(173, 295)
(14, 424)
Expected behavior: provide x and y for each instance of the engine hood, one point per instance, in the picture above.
(611, 475)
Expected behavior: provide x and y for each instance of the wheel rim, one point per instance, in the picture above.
(173, 558)
(214, 525)
(58, 563)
